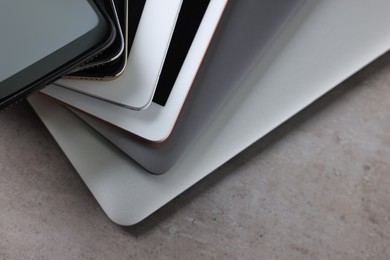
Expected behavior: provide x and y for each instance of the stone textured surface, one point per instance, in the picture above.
(316, 188)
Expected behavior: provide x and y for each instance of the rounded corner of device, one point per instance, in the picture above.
(123, 219)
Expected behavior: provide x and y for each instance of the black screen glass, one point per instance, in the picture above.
(41, 36)
(190, 17)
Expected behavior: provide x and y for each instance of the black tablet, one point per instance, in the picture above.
(44, 39)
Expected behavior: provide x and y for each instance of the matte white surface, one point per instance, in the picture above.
(135, 88)
(156, 122)
(333, 42)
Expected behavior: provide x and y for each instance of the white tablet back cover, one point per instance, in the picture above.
(333, 41)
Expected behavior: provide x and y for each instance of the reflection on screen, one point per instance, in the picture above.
(31, 30)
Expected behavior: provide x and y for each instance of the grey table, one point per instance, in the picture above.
(316, 188)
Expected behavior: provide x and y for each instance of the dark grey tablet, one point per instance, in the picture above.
(43, 39)
(247, 28)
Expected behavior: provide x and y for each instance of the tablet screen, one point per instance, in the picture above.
(37, 37)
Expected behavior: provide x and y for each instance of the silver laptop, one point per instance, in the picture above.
(271, 92)
(226, 64)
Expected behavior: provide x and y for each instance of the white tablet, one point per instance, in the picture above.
(135, 88)
(156, 122)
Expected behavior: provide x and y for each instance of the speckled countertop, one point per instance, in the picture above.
(316, 188)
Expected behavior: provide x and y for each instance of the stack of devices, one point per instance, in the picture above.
(150, 96)
(166, 95)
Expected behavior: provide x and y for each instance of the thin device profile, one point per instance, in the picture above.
(111, 63)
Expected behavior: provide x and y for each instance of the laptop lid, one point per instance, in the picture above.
(226, 63)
